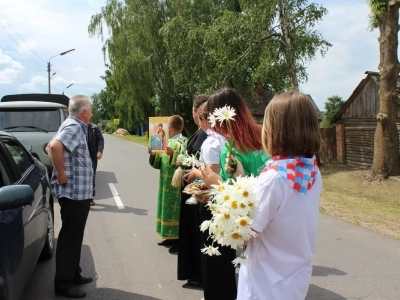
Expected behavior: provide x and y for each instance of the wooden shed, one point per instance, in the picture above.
(356, 123)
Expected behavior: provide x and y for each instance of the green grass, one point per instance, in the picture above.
(347, 194)
(142, 140)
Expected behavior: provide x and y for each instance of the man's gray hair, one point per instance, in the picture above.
(77, 103)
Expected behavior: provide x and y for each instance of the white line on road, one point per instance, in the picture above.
(116, 196)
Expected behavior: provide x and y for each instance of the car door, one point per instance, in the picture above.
(23, 247)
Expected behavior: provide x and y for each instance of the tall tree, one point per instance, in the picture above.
(241, 43)
(162, 53)
(299, 42)
(137, 59)
(332, 107)
(385, 16)
(99, 112)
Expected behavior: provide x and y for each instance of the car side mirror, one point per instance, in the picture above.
(14, 196)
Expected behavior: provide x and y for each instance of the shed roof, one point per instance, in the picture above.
(371, 75)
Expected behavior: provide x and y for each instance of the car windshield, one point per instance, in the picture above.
(30, 120)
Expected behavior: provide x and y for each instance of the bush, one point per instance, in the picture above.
(110, 127)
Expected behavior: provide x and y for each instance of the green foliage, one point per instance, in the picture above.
(377, 8)
(332, 106)
(163, 53)
(110, 127)
(99, 112)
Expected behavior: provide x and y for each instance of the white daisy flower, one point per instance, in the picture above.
(240, 260)
(234, 240)
(205, 225)
(212, 120)
(225, 113)
(225, 220)
(210, 250)
(245, 208)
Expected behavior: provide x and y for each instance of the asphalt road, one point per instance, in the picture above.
(120, 246)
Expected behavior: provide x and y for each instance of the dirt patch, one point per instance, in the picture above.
(348, 194)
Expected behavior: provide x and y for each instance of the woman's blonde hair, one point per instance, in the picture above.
(291, 126)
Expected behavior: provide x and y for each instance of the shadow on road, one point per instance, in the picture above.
(326, 271)
(106, 293)
(99, 207)
(40, 286)
(103, 178)
(317, 293)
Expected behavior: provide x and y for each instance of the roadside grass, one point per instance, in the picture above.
(347, 194)
(142, 140)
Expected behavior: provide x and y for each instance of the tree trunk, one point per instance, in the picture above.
(386, 143)
(285, 27)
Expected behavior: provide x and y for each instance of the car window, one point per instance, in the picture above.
(19, 154)
(4, 180)
(48, 119)
(65, 113)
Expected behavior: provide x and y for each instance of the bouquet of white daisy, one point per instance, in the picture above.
(231, 205)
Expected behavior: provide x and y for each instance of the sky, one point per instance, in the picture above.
(32, 33)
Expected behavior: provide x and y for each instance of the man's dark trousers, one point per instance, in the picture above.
(74, 214)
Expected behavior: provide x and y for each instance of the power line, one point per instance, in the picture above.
(10, 35)
(22, 39)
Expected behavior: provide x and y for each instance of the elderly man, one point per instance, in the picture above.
(72, 183)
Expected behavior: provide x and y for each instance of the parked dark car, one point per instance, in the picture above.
(26, 216)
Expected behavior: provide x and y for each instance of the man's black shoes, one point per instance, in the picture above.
(166, 243)
(174, 248)
(73, 292)
(82, 280)
(191, 284)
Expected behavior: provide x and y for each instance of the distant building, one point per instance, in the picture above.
(356, 122)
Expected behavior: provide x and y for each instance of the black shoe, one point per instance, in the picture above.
(166, 243)
(174, 248)
(92, 203)
(190, 284)
(73, 292)
(82, 280)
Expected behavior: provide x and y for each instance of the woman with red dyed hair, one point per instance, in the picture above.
(219, 280)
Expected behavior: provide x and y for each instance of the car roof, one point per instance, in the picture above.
(30, 104)
(55, 98)
(6, 134)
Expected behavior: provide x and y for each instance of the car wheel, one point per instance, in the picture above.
(48, 248)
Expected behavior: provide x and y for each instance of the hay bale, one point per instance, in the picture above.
(121, 131)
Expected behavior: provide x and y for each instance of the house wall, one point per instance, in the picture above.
(341, 155)
(366, 102)
(356, 132)
(328, 153)
(359, 141)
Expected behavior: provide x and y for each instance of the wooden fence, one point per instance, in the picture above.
(328, 153)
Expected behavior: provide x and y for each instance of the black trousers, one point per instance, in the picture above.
(74, 214)
(94, 162)
(219, 274)
(189, 265)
